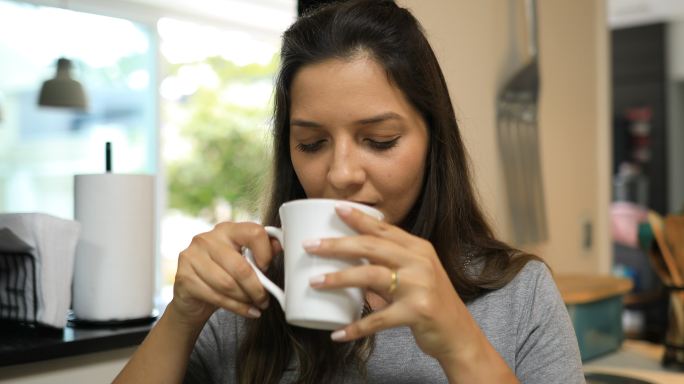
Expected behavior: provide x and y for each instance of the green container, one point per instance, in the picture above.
(598, 326)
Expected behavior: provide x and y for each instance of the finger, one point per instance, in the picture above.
(371, 277)
(367, 224)
(390, 317)
(252, 236)
(233, 264)
(219, 280)
(202, 291)
(373, 249)
(245, 277)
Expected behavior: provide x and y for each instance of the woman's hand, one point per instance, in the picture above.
(423, 297)
(212, 273)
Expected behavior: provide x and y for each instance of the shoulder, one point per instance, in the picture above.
(504, 314)
(533, 279)
(528, 324)
(530, 293)
(533, 271)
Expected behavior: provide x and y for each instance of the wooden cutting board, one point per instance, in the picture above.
(581, 289)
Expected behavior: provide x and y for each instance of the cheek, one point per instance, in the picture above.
(308, 173)
(409, 173)
(399, 187)
(406, 191)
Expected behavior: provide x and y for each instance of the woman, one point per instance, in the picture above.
(362, 113)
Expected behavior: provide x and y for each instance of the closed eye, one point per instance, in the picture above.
(311, 147)
(383, 145)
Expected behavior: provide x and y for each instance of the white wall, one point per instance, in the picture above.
(472, 40)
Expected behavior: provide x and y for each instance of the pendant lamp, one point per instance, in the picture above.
(63, 91)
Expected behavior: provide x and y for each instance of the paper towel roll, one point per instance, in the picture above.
(114, 266)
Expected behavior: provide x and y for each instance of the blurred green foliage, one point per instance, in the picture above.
(230, 158)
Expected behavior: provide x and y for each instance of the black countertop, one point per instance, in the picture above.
(23, 344)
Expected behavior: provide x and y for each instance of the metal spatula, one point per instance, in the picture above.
(519, 144)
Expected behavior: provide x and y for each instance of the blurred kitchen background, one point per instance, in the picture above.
(182, 90)
(186, 96)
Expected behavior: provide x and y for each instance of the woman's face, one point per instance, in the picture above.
(354, 136)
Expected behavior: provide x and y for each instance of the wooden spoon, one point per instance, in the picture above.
(674, 236)
(656, 222)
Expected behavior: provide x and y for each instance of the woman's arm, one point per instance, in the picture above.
(478, 363)
(211, 274)
(163, 355)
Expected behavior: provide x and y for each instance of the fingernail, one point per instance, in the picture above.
(264, 305)
(316, 281)
(254, 312)
(311, 243)
(343, 209)
(338, 335)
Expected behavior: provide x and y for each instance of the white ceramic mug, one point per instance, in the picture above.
(305, 306)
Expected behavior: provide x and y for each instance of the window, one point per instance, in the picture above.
(201, 124)
(216, 103)
(41, 149)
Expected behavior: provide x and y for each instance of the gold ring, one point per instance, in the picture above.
(394, 283)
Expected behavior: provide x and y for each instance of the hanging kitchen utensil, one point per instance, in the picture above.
(517, 128)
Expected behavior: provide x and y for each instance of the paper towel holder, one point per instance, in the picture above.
(107, 292)
(108, 157)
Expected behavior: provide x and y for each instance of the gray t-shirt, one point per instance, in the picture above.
(526, 321)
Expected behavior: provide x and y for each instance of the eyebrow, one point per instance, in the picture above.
(366, 121)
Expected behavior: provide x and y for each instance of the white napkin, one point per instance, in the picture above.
(51, 241)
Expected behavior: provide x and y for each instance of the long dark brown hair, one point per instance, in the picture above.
(446, 212)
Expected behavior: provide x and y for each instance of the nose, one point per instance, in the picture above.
(346, 173)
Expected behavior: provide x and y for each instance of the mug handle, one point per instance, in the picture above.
(270, 286)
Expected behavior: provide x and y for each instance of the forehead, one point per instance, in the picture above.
(358, 86)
